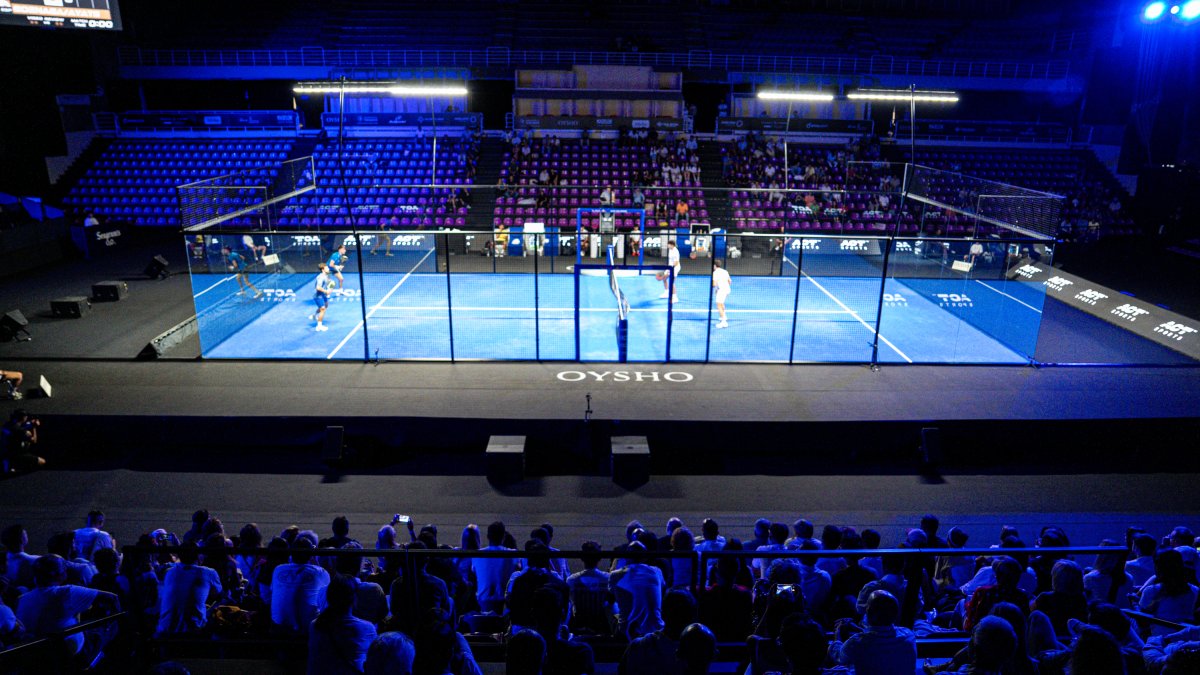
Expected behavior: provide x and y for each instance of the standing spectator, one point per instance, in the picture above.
(90, 538)
(54, 606)
(638, 588)
(298, 589)
(183, 594)
(882, 647)
(338, 641)
(492, 574)
(606, 196)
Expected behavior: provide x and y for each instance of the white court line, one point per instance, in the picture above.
(1007, 296)
(379, 304)
(657, 310)
(229, 278)
(855, 315)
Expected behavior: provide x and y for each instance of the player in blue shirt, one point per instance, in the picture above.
(323, 288)
(239, 266)
(337, 260)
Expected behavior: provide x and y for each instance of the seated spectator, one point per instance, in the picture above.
(19, 569)
(1066, 599)
(12, 631)
(606, 196)
(657, 652)
(803, 644)
(298, 590)
(54, 606)
(993, 644)
(559, 566)
(492, 574)
(524, 584)
(109, 579)
(1109, 582)
(90, 538)
(10, 384)
(563, 656)
(683, 570)
(697, 649)
(18, 443)
(1096, 653)
(415, 592)
(726, 605)
(1008, 573)
(638, 588)
(1175, 654)
(870, 540)
(1141, 568)
(441, 650)
(815, 583)
(525, 654)
(777, 535)
(249, 564)
(370, 603)
(195, 533)
(952, 571)
(847, 583)
(1043, 565)
(184, 593)
(831, 540)
(882, 647)
(591, 601)
(1171, 597)
(390, 654)
(79, 570)
(338, 641)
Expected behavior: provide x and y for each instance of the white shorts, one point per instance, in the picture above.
(722, 293)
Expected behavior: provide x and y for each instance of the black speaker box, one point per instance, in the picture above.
(157, 268)
(72, 307)
(109, 291)
(14, 321)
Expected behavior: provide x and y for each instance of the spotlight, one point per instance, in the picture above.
(1174, 9)
(1190, 11)
(1154, 11)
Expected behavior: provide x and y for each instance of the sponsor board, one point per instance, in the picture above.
(624, 376)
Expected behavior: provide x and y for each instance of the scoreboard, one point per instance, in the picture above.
(85, 14)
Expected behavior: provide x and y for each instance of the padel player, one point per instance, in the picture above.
(323, 288)
(237, 263)
(721, 282)
(672, 262)
(337, 261)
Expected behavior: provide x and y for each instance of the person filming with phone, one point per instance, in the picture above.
(18, 444)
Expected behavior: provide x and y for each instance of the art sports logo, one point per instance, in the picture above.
(1029, 271)
(278, 295)
(904, 247)
(1090, 296)
(894, 300)
(1174, 330)
(854, 245)
(805, 245)
(1058, 283)
(1129, 312)
(953, 300)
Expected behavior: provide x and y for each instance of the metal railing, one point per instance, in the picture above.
(388, 58)
(49, 649)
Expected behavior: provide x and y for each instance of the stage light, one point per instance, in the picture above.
(1174, 9)
(794, 96)
(1154, 11)
(918, 96)
(377, 88)
(1190, 11)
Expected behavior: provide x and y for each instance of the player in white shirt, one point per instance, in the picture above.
(323, 289)
(672, 261)
(722, 282)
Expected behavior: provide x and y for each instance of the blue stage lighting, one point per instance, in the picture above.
(1154, 11)
(1191, 10)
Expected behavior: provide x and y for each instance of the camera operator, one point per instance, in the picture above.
(20, 435)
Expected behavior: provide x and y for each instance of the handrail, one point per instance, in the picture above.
(23, 647)
(1142, 617)
(389, 58)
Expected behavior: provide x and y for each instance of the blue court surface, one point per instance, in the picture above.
(528, 317)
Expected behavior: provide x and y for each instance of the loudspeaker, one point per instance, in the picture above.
(505, 458)
(630, 461)
(335, 438)
(72, 307)
(14, 325)
(157, 268)
(109, 291)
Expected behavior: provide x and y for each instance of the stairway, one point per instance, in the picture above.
(720, 215)
(487, 172)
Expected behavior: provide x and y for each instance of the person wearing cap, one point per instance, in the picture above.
(882, 647)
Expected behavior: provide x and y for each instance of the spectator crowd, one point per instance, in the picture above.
(799, 600)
